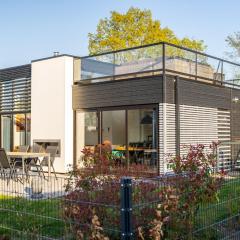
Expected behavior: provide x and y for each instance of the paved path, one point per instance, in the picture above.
(51, 187)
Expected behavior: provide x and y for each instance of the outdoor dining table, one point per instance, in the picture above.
(26, 155)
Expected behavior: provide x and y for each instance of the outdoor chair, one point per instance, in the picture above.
(34, 162)
(118, 157)
(18, 161)
(23, 148)
(136, 155)
(36, 148)
(6, 167)
(52, 150)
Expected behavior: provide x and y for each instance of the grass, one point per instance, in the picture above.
(210, 214)
(44, 216)
(33, 217)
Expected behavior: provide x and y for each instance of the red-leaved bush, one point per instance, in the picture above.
(94, 192)
(163, 207)
(195, 182)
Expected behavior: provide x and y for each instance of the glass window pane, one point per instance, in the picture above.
(28, 130)
(6, 132)
(113, 133)
(19, 130)
(142, 137)
(113, 127)
(87, 132)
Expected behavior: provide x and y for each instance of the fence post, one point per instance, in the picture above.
(126, 208)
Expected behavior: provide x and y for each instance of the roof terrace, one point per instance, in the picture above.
(156, 59)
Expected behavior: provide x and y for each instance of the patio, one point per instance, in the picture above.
(48, 187)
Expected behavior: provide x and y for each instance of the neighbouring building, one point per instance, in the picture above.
(147, 101)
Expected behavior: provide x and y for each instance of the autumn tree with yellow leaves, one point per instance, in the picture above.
(134, 28)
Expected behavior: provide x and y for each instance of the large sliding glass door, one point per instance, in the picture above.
(113, 127)
(131, 132)
(114, 133)
(15, 131)
(142, 136)
(86, 132)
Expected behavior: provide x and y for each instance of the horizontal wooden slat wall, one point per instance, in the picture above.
(15, 89)
(198, 125)
(167, 135)
(204, 95)
(118, 93)
(161, 138)
(224, 153)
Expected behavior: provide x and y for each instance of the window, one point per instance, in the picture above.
(131, 134)
(113, 127)
(15, 131)
(28, 129)
(86, 132)
(114, 133)
(6, 126)
(19, 130)
(142, 136)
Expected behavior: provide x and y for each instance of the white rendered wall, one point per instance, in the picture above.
(51, 105)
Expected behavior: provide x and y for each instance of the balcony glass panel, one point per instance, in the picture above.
(231, 75)
(149, 60)
(97, 67)
(180, 60)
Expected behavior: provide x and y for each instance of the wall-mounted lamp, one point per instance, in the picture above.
(235, 99)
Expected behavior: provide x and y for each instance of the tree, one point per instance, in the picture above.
(234, 42)
(134, 28)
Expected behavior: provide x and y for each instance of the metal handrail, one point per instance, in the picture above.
(161, 43)
(164, 56)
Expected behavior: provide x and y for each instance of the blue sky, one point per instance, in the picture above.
(32, 29)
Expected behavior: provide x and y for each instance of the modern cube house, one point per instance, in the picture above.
(146, 102)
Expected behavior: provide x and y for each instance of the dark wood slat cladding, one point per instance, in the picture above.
(170, 90)
(235, 116)
(118, 93)
(204, 95)
(15, 72)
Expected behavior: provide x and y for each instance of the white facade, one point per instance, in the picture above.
(51, 105)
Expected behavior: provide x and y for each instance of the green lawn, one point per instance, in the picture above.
(33, 217)
(228, 205)
(44, 216)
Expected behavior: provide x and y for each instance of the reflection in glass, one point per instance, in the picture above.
(113, 133)
(19, 133)
(6, 132)
(28, 129)
(113, 127)
(87, 132)
(142, 136)
(139, 146)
